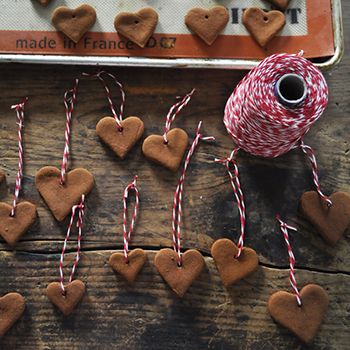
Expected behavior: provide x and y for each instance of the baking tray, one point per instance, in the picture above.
(187, 62)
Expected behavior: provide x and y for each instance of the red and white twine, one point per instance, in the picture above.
(177, 205)
(174, 111)
(19, 108)
(284, 229)
(132, 186)
(69, 106)
(260, 125)
(80, 208)
(118, 118)
(237, 190)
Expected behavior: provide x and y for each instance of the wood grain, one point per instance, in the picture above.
(149, 316)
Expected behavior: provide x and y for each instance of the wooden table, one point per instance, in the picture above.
(148, 315)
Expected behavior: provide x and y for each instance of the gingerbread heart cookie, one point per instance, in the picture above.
(60, 198)
(233, 269)
(44, 2)
(137, 27)
(179, 278)
(74, 23)
(129, 270)
(167, 154)
(207, 24)
(67, 302)
(12, 306)
(263, 26)
(281, 4)
(305, 320)
(13, 227)
(330, 222)
(120, 141)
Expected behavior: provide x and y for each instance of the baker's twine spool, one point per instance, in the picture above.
(275, 105)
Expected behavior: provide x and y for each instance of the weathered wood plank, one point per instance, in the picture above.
(149, 316)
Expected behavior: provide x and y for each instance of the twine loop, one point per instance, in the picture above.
(178, 195)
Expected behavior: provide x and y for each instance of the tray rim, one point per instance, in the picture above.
(208, 63)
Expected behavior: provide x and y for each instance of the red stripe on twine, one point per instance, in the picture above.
(177, 206)
(174, 111)
(81, 212)
(311, 155)
(19, 108)
(118, 118)
(284, 229)
(237, 190)
(127, 235)
(69, 106)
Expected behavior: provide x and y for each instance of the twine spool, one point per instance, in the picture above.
(275, 105)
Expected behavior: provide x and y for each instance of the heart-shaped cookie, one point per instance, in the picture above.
(44, 2)
(12, 228)
(281, 4)
(263, 26)
(330, 222)
(130, 270)
(233, 269)
(137, 27)
(179, 278)
(167, 154)
(74, 22)
(12, 306)
(207, 24)
(120, 141)
(61, 198)
(67, 302)
(305, 320)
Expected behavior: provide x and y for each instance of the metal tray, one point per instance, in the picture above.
(182, 62)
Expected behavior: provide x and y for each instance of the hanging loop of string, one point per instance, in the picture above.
(311, 155)
(19, 108)
(284, 229)
(177, 205)
(69, 99)
(174, 111)
(238, 193)
(80, 207)
(127, 234)
(118, 117)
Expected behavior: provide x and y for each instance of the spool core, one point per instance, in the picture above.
(290, 90)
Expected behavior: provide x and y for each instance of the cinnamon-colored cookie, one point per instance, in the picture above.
(263, 26)
(120, 141)
(129, 270)
(44, 2)
(305, 320)
(137, 27)
(67, 302)
(2, 176)
(233, 269)
(74, 22)
(12, 306)
(281, 4)
(61, 198)
(12, 228)
(207, 24)
(330, 222)
(169, 155)
(179, 278)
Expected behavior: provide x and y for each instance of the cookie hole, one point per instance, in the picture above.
(206, 17)
(73, 16)
(266, 19)
(64, 293)
(120, 129)
(165, 142)
(136, 21)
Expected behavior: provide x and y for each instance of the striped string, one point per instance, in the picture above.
(174, 111)
(311, 155)
(177, 205)
(237, 190)
(80, 207)
(132, 186)
(69, 106)
(99, 75)
(284, 229)
(19, 108)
